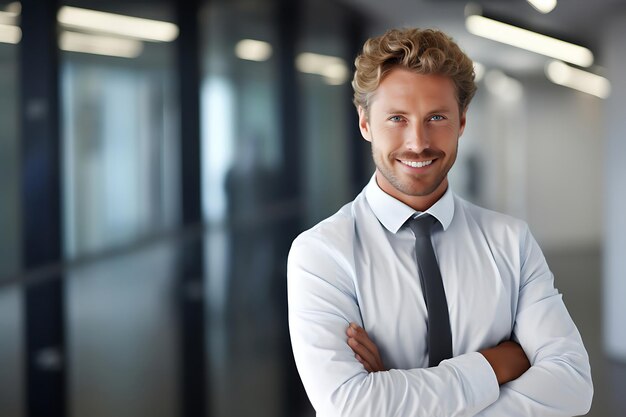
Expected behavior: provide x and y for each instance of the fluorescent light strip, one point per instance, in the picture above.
(563, 74)
(8, 18)
(10, 34)
(543, 6)
(100, 45)
(332, 68)
(253, 50)
(531, 41)
(116, 24)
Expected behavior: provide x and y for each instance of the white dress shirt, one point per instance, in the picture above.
(359, 266)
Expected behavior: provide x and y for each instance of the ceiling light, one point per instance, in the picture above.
(532, 41)
(253, 50)
(562, 74)
(117, 24)
(10, 34)
(8, 18)
(332, 68)
(543, 6)
(100, 45)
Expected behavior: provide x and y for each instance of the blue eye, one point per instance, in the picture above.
(395, 119)
(437, 117)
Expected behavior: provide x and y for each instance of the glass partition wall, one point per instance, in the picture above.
(121, 192)
(11, 315)
(242, 176)
(275, 156)
(256, 145)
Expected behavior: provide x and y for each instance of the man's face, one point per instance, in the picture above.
(414, 125)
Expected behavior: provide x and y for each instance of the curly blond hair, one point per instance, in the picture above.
(422, 51)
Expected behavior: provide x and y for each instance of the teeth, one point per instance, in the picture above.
(416, 164)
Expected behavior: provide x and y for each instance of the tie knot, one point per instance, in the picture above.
(422, 225)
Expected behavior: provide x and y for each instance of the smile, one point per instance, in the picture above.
(417, 164)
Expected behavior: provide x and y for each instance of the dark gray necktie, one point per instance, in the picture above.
(439, 334)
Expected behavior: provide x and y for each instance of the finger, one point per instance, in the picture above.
(366, 365)
(373, 355)
(359, 349)
(363, 352)
(361, 335)
(363, 338)
(352, 329)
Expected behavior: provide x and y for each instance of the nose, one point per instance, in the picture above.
(417, 139)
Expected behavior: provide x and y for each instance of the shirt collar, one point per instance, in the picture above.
(393, 213)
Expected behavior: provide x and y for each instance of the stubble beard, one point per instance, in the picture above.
(417, 187)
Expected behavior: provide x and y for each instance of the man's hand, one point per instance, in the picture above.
(508, 361)
(365, 350)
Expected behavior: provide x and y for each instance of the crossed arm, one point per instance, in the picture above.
(507, 359)
(494, 382)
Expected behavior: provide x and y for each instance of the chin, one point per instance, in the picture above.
(415, 190)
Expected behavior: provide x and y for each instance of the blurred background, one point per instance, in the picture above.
(158, 157)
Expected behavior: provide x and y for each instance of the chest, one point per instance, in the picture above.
(481, 282)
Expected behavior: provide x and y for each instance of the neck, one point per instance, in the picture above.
(416, 202)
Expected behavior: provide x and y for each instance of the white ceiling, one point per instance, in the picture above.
(578, 21)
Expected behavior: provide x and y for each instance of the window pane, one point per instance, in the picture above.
(9, 151)
(324, 80)
(120, 137)
(120, 142)
(241, 138)
(242, 158)
(11, 317)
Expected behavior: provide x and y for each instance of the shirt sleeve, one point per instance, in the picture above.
(558, 382)
(322, 303)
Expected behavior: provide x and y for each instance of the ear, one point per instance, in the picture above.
(463, 119)
(364, 125)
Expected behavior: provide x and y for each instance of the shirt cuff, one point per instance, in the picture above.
(479, 383)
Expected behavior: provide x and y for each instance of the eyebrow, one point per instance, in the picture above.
(394, 111)
(436, 110)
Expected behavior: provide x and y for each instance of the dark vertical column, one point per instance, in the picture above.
(359, 149)
(41, 218)
(193, 364)
(289, 19)
(189, 83)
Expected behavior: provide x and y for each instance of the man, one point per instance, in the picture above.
(411, 301)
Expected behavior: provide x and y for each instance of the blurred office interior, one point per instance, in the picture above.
(159, 156)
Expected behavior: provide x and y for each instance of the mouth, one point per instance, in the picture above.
(417, 164)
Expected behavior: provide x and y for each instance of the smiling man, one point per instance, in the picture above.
(410, 301)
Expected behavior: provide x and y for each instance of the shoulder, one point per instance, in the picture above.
(324, 255)
(334, 234)
(332, 240)
(498, 226)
